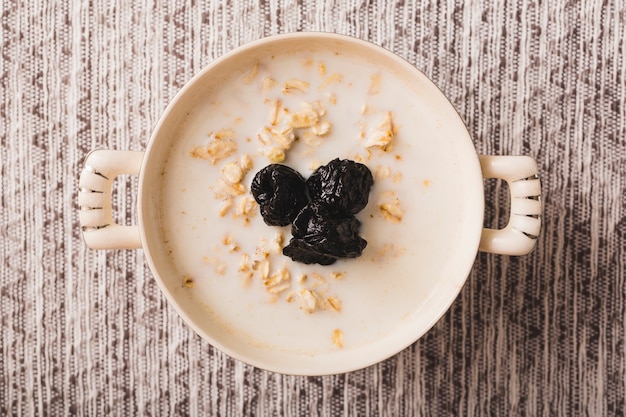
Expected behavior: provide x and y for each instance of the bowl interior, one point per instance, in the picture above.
(208, 258)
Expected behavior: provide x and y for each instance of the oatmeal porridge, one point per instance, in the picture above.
(303, 110)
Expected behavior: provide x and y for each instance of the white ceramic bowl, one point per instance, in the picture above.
(411, 270)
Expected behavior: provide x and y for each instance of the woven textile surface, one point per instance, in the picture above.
(87, 332)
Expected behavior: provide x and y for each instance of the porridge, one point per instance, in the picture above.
(304, 110)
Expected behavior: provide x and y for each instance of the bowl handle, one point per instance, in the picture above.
(94, 199)
(521, 233)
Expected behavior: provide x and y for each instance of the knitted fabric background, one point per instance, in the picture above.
(88, 332)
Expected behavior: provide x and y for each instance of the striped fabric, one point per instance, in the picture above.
(88, 333)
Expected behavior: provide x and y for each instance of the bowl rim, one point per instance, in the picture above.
(470, 253)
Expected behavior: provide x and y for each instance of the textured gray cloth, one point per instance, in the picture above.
(88, 332)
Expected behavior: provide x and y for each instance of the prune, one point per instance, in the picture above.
(280, 192)
(342, 184)
(300, 251)
(317, 232)
(325, 228)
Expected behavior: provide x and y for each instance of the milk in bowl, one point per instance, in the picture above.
(304, 108)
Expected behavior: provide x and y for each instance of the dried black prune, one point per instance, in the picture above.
(316, 231)
(280, 192)
(325, 228)
(300, 251)
(342, 184)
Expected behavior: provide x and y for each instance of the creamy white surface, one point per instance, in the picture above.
(377, 291)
